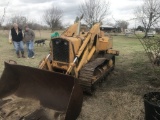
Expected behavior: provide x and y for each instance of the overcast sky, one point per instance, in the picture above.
(33, 9)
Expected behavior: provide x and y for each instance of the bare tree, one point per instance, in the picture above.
(19, 19)
(36, 25)
(122, 24)
(148, 14)
(52, 17)
(94, 11)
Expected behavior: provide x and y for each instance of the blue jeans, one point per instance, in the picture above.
(18, 47)
(30, 45)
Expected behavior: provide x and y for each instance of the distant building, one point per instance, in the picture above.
(107, 28)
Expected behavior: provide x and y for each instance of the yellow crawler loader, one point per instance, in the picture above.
(77, 62)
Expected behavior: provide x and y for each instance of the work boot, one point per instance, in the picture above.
(18, 56)
(22, 54)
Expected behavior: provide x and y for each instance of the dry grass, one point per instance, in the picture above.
(8, 52)
(120, 97)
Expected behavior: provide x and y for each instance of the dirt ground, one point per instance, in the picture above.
(120, 96)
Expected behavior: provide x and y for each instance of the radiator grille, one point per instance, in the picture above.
(60, 50)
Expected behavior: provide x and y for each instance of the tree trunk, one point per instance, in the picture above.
(146, 33)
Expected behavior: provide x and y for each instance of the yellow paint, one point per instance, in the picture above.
(83, 60)
(91, 53)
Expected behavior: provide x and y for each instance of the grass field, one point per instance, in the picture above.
(8, 52)
(120, 97)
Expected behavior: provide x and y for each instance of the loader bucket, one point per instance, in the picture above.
(53, 91)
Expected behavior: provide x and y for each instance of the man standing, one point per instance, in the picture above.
(16, 36)
(29, 37)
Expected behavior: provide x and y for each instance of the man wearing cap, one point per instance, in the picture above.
(16, 36)
(29, 37)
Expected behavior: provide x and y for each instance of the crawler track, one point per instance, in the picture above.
(94, 72)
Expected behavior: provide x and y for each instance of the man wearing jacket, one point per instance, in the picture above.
(29, 37)
(16, 36)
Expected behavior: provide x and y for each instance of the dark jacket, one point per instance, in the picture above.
(16, 37)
